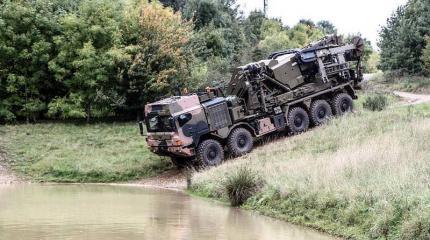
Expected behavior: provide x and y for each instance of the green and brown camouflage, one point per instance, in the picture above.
(290, 90)
(169, 124)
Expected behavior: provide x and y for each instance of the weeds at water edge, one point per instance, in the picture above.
(241, 185)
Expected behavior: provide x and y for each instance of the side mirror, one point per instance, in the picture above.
(184, 118)
(141, 129)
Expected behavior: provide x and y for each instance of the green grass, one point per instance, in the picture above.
(363, 176)
(414, 84)
(241, 185)
(60, 152)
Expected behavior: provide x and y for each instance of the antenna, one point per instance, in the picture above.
(265, 4)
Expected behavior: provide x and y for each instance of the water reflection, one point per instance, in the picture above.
(112, 212)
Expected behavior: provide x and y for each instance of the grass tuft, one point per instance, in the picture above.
(241, 185)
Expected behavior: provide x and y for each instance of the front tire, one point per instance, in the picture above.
(298, 120)
(342, 104)
(320, 112)
(240, 142)
(210, 153)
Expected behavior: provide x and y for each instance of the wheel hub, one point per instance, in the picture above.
(241, 142)
(212, 154)
(344, 106)
(298, 121)
(321, 113)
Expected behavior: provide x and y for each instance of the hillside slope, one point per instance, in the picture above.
(366, 175)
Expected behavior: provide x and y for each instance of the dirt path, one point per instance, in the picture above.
(409, 98)
(412, 99)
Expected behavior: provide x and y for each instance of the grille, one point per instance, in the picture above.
(218, 116)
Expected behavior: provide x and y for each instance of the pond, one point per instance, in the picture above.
(101, 212)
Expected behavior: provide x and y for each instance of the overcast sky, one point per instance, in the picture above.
(349, 16)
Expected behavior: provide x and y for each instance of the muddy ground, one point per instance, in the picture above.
(6, 176)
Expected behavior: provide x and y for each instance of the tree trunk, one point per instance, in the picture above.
(88, 110)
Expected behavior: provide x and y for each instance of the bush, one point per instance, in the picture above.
(376, 102)
(241, 185)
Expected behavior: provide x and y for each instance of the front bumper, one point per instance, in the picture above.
(165, 148)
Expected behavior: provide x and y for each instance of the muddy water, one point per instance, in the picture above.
(115, 212)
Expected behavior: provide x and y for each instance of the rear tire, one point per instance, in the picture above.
(342, 104)
(320, 112)
(240, 142)
(210, 153)
(298, 120)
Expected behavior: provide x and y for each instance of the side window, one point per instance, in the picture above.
(184, 118)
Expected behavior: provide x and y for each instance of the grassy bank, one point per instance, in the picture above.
(79, 153)
(391, 82)
(362, 176)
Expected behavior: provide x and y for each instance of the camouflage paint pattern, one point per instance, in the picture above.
(259, 95)
(265, 126)
(180, 140)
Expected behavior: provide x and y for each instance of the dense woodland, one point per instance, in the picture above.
(64, 59)
(405, 42)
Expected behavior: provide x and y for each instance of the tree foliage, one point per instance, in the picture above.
(88, 49)
(327, 27)
(277, 38)
(403, 38)
(97, 58)
(159, 63)
(26, 47)
(426, 55)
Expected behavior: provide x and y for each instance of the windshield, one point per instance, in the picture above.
(157, 123)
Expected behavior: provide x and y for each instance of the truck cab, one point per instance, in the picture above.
(173, 124)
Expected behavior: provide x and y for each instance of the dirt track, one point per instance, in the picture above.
(412, 99)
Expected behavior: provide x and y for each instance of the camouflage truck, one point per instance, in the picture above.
(290, 91)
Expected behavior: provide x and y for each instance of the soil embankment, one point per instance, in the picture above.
(172, 179)
(6, 176)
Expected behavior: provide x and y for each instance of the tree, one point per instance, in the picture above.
(176, 5)
(403, 38)
(253, 26)
(157, 40)
(426, 55)
(307, 22)
(303, 34)
(277, 37)
(89, 49)
(26, 32)
(218, 40)
(327, 27)
(371, 65)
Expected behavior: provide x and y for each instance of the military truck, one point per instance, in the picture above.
(290, 91)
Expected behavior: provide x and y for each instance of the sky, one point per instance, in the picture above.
(349, 16)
